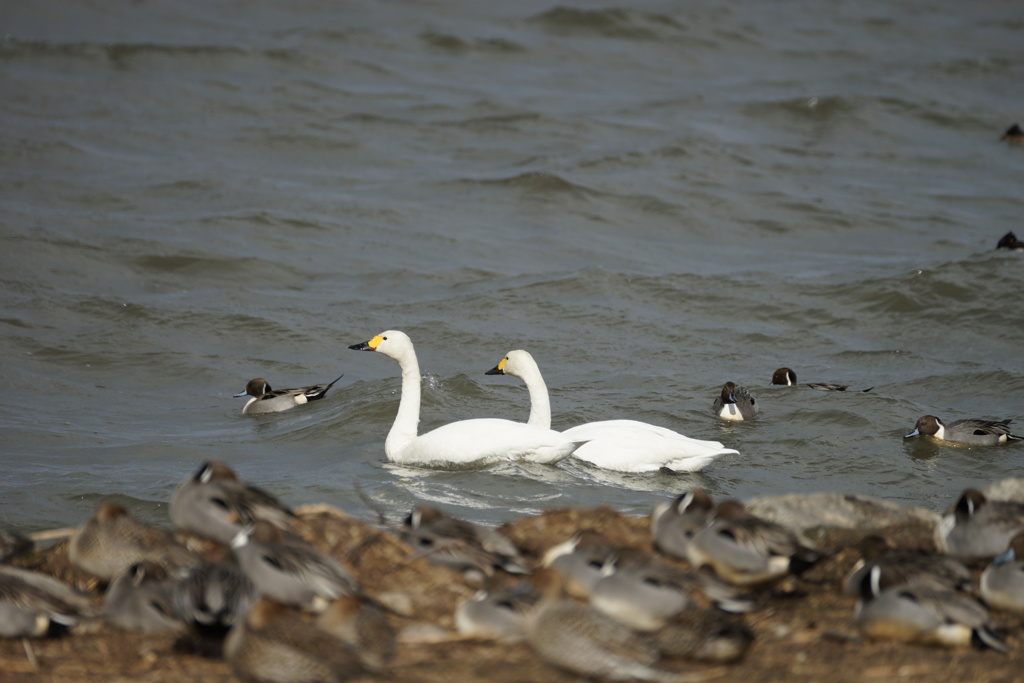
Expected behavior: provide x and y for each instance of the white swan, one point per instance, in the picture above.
(468, 442)
(621, 445)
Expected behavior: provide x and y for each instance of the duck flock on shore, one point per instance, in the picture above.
(242, 578)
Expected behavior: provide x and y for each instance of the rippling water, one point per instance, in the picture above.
(652, 198)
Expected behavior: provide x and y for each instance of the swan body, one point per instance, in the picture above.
(620, 445)
(467, 442)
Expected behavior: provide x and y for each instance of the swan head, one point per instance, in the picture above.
(515, 363)
(391, 343)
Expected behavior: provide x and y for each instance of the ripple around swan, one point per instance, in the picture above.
(542, 184)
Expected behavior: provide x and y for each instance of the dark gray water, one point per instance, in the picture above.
(652, 198)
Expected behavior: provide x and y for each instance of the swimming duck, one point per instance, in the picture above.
(978, 527)
(1002, 582)
(141, 598)
(216, 504)
(674, 524)
(913, 612)
(745, 550)
(273, 644)
(735, 403)
(1014, 134)
(263, 399)
(620, 445)
(287, 569)
(35, 604)
(111, 541)
(1010, 241)
(786, 377)
(898, 565)
(965, 432)
(468, 442)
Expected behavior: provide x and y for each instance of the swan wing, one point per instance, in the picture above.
(632, 446)
(485, 440)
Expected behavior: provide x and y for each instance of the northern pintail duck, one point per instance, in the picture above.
(926, 614)
(287, 569)
(468, 442)
(580, 561)
(704, 635)
(141, 598)
(34, 604)
(13, 544)
(675, 524)
(1014, 134)
(263, 399)
(210, 601)
(576, 637)
(1002, 582)
(618, 445)
(787, 378)
(965, 432)
(898, 566)
(978, 527)
(735, 403)
(428, 518)
(361, 624)
(645, 592)
(216, 504)
(497, 613)
(111, 541)
(744, 549)
(1010, 241)
(273, 644)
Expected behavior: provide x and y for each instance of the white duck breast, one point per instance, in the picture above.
(619, 445)
(468, 442)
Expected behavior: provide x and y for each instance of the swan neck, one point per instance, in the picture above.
(407, 420)
(540, 403)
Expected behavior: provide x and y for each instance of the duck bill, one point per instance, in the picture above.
(240, 395)
(914, 433)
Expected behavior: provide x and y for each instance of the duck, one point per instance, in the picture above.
(674, 524)
(142, 599)
(645, 592)
(287, 569)
(746, 550)
(361, 624)
(210, 600)
(619, 445)
(441, 526)
(978, 528)
(216, 504)
(578, 638)
(927, 614)
(497, 614)
(111, 540)
(263, 399)
(1009, 240)
(1002, 583)
(899, 565)
(34, 604)
(473, 442)
(580, 561)
(1014, 135)
(735, 403)
(787, 378)
(273, 644)
(964, 432)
